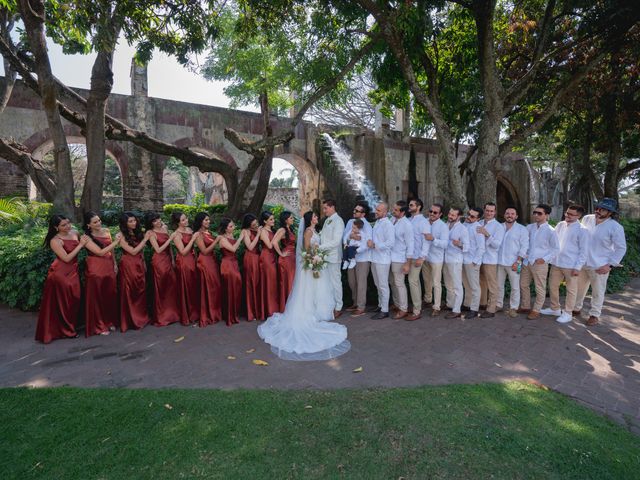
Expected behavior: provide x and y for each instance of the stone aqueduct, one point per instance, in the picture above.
(382, 155)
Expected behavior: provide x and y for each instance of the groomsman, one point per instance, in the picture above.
(510, 256)
(437, 240)
(543, 246)
(357, 276)
(573, 241)
(421, 226)
(493, 232)
(472, 259)
(607, 247)
(401, 258)
(457, 246)
(383, 238)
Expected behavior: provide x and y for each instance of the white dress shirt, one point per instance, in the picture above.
(383, 239)
(455, 254)
(419, 223)
(573, 240)
(493, 241)
(607, 244)
(440, 232)
(543, 243)
(366, 233)
(403, 247)
(515, 243)
(476, 245)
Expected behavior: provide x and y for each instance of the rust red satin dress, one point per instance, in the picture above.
(60, 303)
(100, 292)
(251, 274)
(286, 269)
(165, 285)
(188, 285)
(133, 292)
(269, 296)
(210, 286)
(231, 286)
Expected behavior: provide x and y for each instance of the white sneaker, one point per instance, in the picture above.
(345, 265)
(564, 318)
(548, 311)
(352, 264)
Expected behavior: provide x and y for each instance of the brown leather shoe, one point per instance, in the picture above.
(486, 314)
(576, 313)
(393, 308)
(351, 308)
(591, 321)
(533, 315)
(358, 313)
(427, 304)
(337, 313)
(413, 317)
(453, 315)
(400, 314)
(435, 313)
(523, 310)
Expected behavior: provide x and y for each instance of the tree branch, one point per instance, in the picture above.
(19, 155)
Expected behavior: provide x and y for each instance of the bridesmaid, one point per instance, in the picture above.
(251, 265)
(269, 297)
(210, 285)
(60, 304)
(101, 312)
(187, 273)
(133, 294)
(286, 257)
(165, 283)
(230, 272)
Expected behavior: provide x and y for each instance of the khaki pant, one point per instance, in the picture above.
(358, 283)
(537, 273)
(555, 277)
(489, 286)
(398, 287)
(598, 282)
(415, 288)
(380, 273)
(471, 284)
(514, 281)
(453, 282)
(432, 278)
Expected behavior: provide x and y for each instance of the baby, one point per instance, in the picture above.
(350, 250)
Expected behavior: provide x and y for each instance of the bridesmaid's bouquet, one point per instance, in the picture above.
(314, 259)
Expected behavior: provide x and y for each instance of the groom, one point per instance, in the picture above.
(331, 241)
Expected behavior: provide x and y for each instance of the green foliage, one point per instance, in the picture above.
(216, 212)
(17, 214)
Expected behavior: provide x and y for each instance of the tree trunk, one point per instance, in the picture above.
(6, 25)
(611, 117)
(32, 12)
(263, 183)
(487, 164)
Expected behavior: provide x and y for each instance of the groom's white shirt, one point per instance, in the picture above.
(331, 238)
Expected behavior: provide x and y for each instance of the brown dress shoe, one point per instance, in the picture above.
(533, 315)
(413, 317)
(576, 313)
(427, 304)
(486, 314)
(523, 310)
(351, 308)
(435, 313)
(337, 313)
(591, 321)
(358, 313)
(393, 308)
(400, 314)
(453, 315)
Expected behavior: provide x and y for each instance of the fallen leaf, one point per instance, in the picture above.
(357, 370)
(168, 407)
(106, 439)
(497, 365)
(230, 357)
(308, 406)
(251, 350)
(262, 363)
(179, 339)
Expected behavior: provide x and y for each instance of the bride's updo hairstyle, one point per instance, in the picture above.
(307, 220)
(264, 216)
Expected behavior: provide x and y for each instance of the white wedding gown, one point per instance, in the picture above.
(305, 331)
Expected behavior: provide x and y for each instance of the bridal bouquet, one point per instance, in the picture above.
(314, 259)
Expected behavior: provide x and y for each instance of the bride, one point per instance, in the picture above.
(304, 330)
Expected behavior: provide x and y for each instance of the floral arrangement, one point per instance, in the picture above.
(314, 259)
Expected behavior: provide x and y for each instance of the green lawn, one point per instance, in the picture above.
(477, 431)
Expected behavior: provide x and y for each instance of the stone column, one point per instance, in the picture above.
(142, 177)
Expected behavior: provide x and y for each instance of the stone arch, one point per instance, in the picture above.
(507, 195)
(309, 181)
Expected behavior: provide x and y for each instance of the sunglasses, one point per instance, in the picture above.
(358, 211)
(434, 212)
(472, 216)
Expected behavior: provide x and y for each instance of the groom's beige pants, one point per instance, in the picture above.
(335, 274)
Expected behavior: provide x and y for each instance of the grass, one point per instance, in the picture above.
(508, 431)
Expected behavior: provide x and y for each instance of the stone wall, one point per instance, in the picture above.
(12, 181)
(289, 198)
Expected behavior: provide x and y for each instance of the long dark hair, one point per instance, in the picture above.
(307, 219)
(174, 221)
(54, 221)
(197, 222)
(149, 218)
(87, 230)
(284, 216)
(224, 223)
(247, 220)
(132, 238)
(264, 216)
